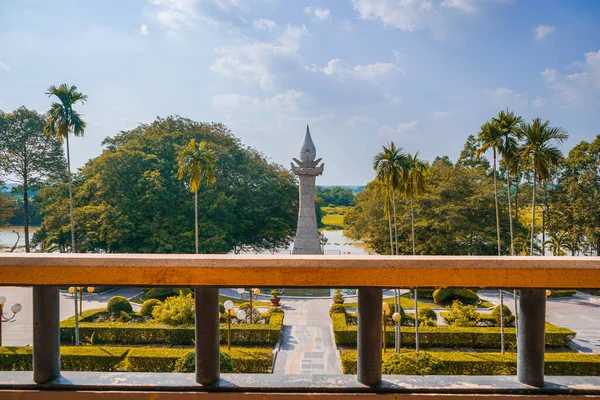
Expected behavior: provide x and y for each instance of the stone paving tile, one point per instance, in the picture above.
(307, 345)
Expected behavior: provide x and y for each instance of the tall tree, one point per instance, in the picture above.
(389, 166)
(539, 152)
(197, 163)
(490, 138)
(62, 121)
(413, 185)
(508, 123)
(27, 155)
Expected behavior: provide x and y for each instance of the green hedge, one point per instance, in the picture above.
(136, 359)
(84, 358)
(245, 360)
(556, 293)
(154, 333)
(457, 363)
(446, 336)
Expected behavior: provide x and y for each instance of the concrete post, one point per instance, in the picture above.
(531, 337)
(369, 336)
(46, 334)
(207, 335)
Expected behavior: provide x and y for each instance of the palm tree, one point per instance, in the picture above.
(389, 167)
(413, 185)
(508, 124)
(541, 155)
(197, 162)
(383, 191)
(491, 138)
(559, 242)
(63, 120)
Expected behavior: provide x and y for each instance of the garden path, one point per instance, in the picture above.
(307, 345)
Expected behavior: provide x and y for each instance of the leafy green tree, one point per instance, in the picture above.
(130, 199)
(62, 121)
(389, 166)
(197, 163)
(336, 196)
(7, 208)
(559, 243)
(469, 158)
(541, 155)
(28, 155)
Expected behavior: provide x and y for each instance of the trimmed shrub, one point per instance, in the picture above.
(275, 310)
(162, 293)
(243, 360)
(337, 309)
(85, 358)
(412, 364)
(460, 315)
(427, 313)
(448, 336)
(557, 293)
(338, 298)
(154, 333)
(447, 296)
(507, 316)
(175, 311)
(187, 363)
(457, 363)
(424, 293)
(118, 304)
(148, 307)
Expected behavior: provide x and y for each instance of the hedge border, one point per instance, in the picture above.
(447, 336)
(458, 363)
(129, 333)
(132, 359)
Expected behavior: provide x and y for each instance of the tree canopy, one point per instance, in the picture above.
(129, 199)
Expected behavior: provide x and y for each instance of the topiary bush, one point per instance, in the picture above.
(337, 309)
(118, 304)
(445, 297)
(338, 298)
(187, 363)
(275, 310)
(162, 293)
(412, 364)
(460, 315)
(148, 307)
(175, 311)
(507, 316)
(424, 293)
(427, 317)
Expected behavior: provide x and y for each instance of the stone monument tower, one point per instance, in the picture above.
(307, 235)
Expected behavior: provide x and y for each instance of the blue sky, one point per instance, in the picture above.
(422, 73)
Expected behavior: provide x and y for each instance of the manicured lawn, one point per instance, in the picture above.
(407, 302)
(333, 217)
(139, 299)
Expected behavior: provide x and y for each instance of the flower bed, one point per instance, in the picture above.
(446, 336)
(127, 333)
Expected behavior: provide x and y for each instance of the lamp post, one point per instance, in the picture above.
(385, 310)
(228, 307)
(251, 292)
(397, 317)
(75, 291)
(15, 309)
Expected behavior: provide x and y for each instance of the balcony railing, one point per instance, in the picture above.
(207, 273)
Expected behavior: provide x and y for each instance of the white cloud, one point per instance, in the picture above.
(442, 114)
(360, 120)
(541, 31)
(399, 129)
(393, 100)
(288, 100)
(260, 61)
(176, 15)
(549, 74)
(539, 102)
(504, 97)
(413, 15)
(371, 72)
(4, 67)
(264, 24)
(580, 88)
(464, 5)
(144, 30)
(320, 14)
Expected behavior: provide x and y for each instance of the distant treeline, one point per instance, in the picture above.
(336, 196)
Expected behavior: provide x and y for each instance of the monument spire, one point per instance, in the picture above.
(307, 168)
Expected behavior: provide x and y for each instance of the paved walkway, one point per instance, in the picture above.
(20, 331)
(307, 345)
(580, 313)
